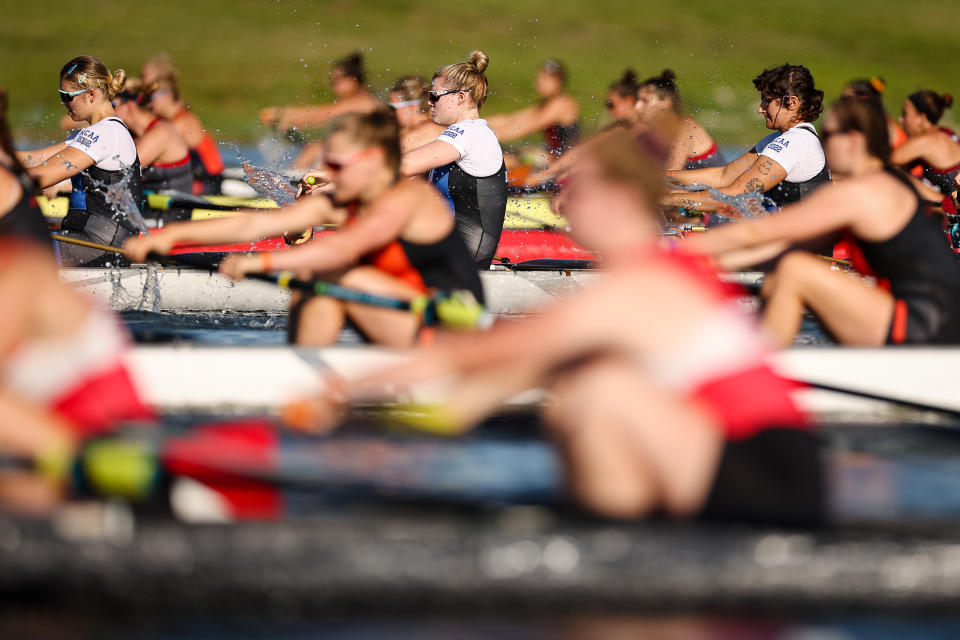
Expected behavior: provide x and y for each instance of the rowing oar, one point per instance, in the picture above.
(453, 309)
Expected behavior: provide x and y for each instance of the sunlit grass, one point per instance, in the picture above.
(239, 55)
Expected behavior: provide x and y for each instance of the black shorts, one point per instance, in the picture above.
(918, 320)
(775, 477)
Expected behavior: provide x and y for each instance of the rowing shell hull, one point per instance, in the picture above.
(184, 290)
(240, 380)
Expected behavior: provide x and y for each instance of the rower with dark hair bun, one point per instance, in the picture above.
(786, 166)
(659, 105)
(622, 97)
(934, 148)
(466, 162)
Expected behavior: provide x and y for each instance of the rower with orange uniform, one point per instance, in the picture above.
(894, 239)
(660, 106)
(653, 415)
(934, 148)
(397, 238)
(166, 102)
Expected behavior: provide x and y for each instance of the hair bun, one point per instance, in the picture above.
(667, 75)
(629, 76)
(878, 84)
(116, 83)
(947, 100)
(480, 60)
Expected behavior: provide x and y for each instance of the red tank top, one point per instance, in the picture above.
(749, 397)
(392, 259)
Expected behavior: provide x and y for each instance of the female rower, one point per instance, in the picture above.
(101, 161)
(651, 414)
(164, 154)
(397, 237)
(872, 90)
(659, 105)
(19, 213)
(622, 98)
(351, 94)
(893, 239)
(786, 166)
(465, 161)
(935, 149)
(62, 371)
(557, 114)
(408, 99)
(166, 102)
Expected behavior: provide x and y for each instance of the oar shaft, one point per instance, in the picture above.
(88, 244)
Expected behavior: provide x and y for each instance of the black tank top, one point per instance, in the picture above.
(480, 205)
(788, 192)
(917, 262)
(25, 218)
(445, 264)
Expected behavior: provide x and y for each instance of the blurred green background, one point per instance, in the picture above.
(236, 56)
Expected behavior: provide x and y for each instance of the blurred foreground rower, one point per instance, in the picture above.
(651, 412)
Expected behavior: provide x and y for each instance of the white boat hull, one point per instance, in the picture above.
(262, 379)
(184, 290)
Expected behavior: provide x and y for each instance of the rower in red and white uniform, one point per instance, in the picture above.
(894, 239)
(651, 412)
(397, 238)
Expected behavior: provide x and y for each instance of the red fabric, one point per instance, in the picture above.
(210, 155)
(703, 156)
(750, 401)
(209, 454)
(898, 328)
(97, 403)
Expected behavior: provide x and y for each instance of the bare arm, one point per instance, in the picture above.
(316, 116)
(510, 126)
(912, 150)
(436, 154)
(64, 164)
(150, 146)
(827, 210)
(761, 176)
(715, 176)
(382, 224)
(420, 136)
(255, 225)
(35, 157)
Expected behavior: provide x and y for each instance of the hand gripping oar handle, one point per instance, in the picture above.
(177, 261)
(455, 309)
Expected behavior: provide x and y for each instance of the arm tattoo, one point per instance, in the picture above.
(754, 184)
(765, 166)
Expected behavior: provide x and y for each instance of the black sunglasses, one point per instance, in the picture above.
(434, 96)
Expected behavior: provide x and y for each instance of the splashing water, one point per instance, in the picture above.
(271, 184)
(749, 205)
(121, 201)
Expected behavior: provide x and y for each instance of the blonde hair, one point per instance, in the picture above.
(467, 76)
(412, 88)
(89, 73)
(379, 128)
